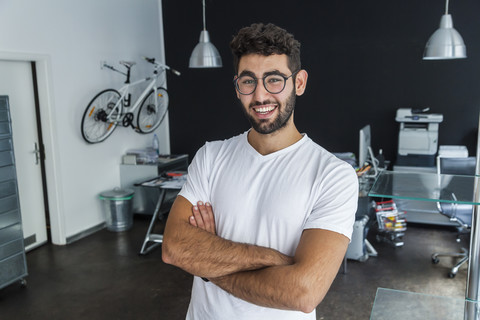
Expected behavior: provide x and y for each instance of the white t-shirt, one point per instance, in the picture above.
(268, 201)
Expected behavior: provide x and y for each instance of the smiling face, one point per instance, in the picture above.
(268, 112)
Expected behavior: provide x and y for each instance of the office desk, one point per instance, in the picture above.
(131, 175)
(163, 185)
(432, 188)
(400, 305)
(423, 212)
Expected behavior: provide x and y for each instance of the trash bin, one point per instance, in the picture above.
(118, 204)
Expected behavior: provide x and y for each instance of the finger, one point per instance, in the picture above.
(192, 221)
(211, 218)
(198, 217)
(206, 217)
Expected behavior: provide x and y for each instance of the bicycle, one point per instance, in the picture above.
(106, 110)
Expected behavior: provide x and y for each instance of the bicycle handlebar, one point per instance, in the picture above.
(164, 66)
(151, 60)
(175, 72)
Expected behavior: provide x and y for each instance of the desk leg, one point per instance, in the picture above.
(370, 249)
(151, 237)
(472, 304)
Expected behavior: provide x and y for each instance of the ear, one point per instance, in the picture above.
(301, 82)
(235, 88)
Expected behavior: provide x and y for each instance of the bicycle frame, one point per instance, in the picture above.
(125, 90)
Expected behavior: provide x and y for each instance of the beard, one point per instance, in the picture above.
(267, 126)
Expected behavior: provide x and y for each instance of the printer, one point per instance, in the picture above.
(418, 137)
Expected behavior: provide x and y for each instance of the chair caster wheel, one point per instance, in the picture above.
(451, 275)
(435, 260)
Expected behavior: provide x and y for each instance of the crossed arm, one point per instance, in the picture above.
(204, 254)
(260, 275)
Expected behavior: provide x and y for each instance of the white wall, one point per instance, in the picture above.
(76, 36)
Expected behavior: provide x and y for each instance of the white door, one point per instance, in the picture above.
(16, 82)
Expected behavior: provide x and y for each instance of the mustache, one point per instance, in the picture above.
(259, 103)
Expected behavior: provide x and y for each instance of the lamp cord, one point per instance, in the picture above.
(446, 7)
(204, 23)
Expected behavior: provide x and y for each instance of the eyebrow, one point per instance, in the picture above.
(251, 74)
(247, 73)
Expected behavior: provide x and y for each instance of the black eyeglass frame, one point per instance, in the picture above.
(285, 78)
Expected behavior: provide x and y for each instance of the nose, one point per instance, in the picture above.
(260, 93)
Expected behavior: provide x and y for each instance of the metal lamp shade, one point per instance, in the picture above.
(205, 55)
(445, 43)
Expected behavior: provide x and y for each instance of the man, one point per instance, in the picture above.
(265, 217)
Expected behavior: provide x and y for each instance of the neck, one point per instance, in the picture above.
(275, 141)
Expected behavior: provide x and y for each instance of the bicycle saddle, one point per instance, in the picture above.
(128, 64)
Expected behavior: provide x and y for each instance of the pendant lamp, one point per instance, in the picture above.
(445, 43)
(205, 55)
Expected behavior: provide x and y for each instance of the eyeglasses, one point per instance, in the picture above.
(274, 83)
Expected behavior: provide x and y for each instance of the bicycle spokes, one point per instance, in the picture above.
(100, 117)
(152, 111)
(91, 112)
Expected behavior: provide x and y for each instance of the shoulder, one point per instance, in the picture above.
(325, 157)
(328, 165)
(217, 146)
(211, 151)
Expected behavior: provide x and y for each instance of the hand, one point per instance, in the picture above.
(203, 217)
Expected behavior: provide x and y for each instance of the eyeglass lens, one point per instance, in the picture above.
(273, 83)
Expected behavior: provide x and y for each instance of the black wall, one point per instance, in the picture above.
(364, 60)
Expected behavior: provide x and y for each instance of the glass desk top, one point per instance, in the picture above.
(425, 187)
(400, 305)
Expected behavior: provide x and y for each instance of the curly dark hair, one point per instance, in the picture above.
(266, 40)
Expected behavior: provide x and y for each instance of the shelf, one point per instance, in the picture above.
(425, 187)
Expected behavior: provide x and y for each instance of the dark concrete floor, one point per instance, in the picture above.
(103, 277)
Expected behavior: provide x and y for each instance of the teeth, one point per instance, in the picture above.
(264, 109)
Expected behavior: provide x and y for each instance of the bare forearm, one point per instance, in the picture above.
(280, 287)
(300, 286)
(204, 254)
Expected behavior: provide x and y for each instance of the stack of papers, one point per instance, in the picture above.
(453, 151)
(143, 156)
(172, 180)
(175, 183)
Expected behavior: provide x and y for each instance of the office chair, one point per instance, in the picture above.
(461, 214)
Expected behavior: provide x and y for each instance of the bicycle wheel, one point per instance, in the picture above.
(152, 110)
(95, 126)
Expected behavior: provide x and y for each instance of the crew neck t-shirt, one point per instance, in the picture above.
(267, 200)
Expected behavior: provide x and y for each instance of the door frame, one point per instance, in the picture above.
(52, 160)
